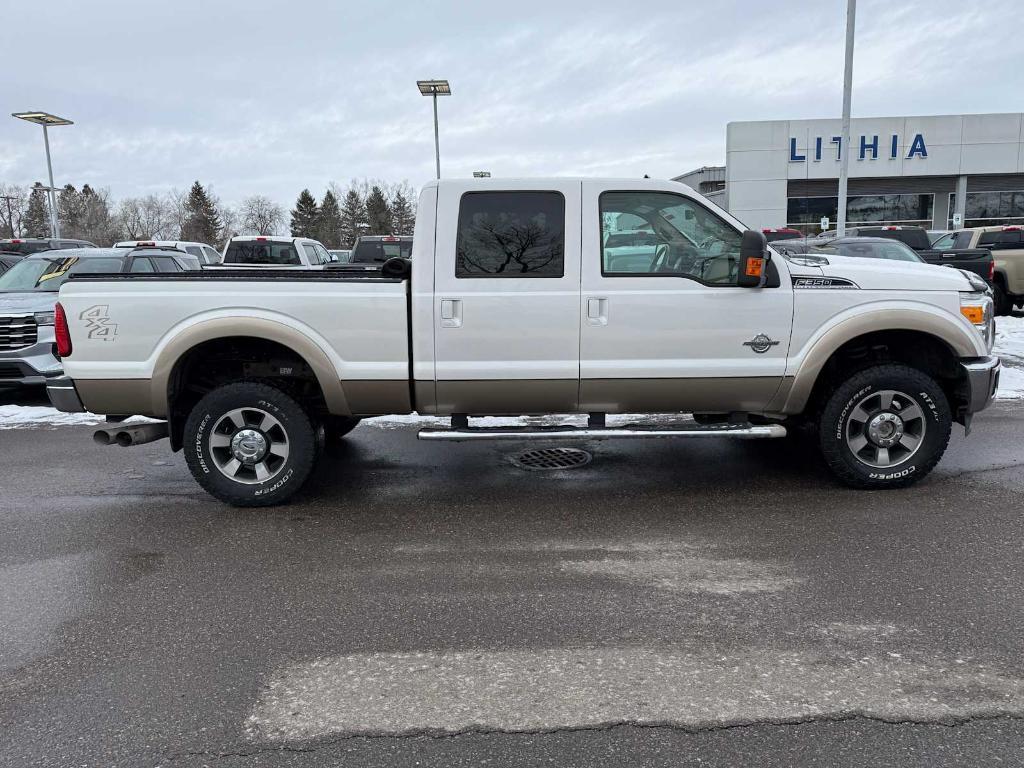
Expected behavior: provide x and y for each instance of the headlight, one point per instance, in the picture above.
(978, 309)
(44, 318)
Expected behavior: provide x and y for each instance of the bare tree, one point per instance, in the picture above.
(261, 215)
(13, 200)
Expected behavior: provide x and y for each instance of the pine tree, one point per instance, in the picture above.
(305, 216)
(330, 221)
(202, 222)
(37, 219)
(353, 219)
(69, 211)
(403, 218)
(378, 213)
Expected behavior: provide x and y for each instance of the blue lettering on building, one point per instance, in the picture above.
(871, 144)
(793, 156)
(917, 147)
(865, 145)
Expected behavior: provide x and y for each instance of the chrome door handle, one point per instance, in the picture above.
(597, 310)
(451, 313)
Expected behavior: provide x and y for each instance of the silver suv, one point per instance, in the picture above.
(28, 296)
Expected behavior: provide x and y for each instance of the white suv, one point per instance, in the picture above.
(205, 253)
(275, 251)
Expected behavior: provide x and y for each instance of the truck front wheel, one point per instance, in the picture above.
(885, 427)
(249, 444)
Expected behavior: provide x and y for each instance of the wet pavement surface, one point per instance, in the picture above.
(704, 603)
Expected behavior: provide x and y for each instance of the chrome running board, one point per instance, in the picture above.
(629, 431)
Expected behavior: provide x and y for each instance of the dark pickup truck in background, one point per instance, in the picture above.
(976, 260)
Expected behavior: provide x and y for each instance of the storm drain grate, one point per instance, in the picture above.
(551, 458)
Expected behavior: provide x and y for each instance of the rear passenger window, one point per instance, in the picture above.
(167, 264)
(511, 234)
(142, 264)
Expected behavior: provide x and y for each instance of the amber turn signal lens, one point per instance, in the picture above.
(754, 267)
(975, 314)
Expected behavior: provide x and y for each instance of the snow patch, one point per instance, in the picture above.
(1010, 348)
(34, 416)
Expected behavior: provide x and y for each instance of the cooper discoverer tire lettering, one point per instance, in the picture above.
(250, 444)
(885, 427)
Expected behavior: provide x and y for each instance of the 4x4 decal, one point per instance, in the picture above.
(98, 324)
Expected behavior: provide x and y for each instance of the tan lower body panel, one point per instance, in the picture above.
(377, 397)
(498, 397)
(518, 396)
(117, 396)
(710, 395)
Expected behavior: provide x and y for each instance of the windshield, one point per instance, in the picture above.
(25, 248)
(48, 274)
(380, 251)
(261, 252)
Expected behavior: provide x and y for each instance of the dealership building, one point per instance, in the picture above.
(936, 172)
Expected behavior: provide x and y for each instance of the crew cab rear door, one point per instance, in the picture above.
(664, 325)
(506, 297)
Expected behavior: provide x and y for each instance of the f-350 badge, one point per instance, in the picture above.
(760, 343)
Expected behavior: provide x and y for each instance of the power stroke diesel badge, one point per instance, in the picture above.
(760, 343)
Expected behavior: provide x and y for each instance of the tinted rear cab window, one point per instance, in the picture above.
(511, 234)
(260, 252)
(379, 251)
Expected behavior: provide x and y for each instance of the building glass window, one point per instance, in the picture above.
(805, 213)
(985, 209)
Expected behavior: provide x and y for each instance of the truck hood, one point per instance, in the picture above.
(27, 302)
(882, 274)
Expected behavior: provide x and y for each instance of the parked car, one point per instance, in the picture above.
(376, 249)
(341, 255)
(262, 251)
(1007, 246)
(869, 248)
(512, 307)
(772, 234)
(976, 260)
(28, 293)
(206, 254)
(29, 245)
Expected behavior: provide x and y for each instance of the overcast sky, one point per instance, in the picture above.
(270, 97)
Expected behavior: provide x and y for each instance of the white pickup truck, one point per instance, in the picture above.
(514, 305)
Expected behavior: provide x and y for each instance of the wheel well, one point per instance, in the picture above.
(237, 358)
(917, 349)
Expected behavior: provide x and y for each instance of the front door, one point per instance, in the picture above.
(664, 325)
(506, 298)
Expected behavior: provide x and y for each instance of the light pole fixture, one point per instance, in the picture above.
(47, 120)
(435, 88)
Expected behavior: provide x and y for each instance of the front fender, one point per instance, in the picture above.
(955, 332)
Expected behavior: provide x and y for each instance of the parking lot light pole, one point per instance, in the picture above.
(435, 88)
(845, 150)
(47, 120)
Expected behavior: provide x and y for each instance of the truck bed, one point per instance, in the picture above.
(127, 328)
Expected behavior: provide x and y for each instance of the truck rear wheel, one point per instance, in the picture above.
(1001, 300)
(249, 444)
(885, 427)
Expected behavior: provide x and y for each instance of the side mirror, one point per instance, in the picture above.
(754, 256)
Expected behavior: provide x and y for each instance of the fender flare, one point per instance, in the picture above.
(252, 327)
(932, 322)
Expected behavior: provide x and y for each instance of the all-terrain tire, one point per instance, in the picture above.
(862, 396)
(290, 432)
(1001, 300)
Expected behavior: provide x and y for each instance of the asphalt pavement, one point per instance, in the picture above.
(707, 603)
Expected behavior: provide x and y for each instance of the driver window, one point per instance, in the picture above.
(659, 234)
